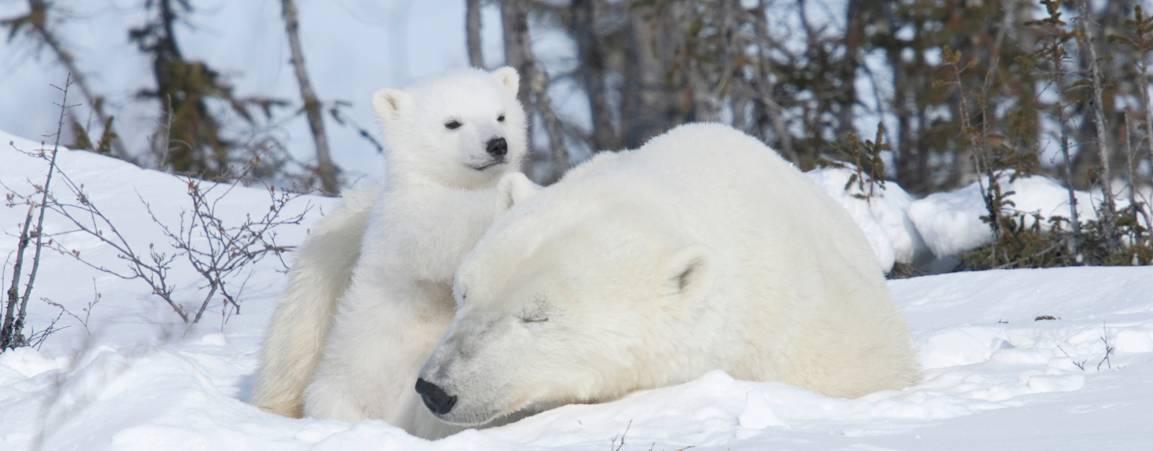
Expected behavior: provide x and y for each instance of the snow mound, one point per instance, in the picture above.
(950, 222)
(882, 218)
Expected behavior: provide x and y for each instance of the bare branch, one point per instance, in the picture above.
(12, 330)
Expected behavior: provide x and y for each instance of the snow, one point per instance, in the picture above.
(882, 217)
(951, 222)
(994, 377)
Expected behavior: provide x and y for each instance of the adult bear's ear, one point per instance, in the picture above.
(390, 103)
(508, 77)
(513, 188)
(689, 273)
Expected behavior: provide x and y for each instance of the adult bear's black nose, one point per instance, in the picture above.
(497, 147)
(434, 397)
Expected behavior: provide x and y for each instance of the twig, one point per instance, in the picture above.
(1108, 349)
(1080, 364)
(12, 330)
(618, 446)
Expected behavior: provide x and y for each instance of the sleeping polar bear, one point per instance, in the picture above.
(701, 250)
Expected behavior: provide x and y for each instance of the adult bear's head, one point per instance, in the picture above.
(567, 302)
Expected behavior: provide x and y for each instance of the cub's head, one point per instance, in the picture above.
(462, 129)
(565, 305)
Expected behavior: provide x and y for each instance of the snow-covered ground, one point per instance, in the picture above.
(994, 376)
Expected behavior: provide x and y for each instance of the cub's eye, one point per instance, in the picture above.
(500, 118)
(453, 124)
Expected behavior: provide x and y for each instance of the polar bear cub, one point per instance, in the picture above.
(702, 250)
(370, 292)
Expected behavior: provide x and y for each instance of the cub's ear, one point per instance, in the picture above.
(508, 77)
(689, 272)
(512, 189)
(391, 103)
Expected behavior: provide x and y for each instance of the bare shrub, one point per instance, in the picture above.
(219, 251)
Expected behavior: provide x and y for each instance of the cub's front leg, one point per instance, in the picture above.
(382, 333)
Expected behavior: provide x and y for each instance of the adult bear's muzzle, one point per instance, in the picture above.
(434, 397)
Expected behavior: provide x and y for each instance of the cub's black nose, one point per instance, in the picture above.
(497, 147)
(433, 396)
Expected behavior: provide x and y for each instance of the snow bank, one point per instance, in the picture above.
(950, 222)
(882, 218)
(993, 376)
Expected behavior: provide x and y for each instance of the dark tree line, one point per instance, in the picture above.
(772, 70)
(969, 91)
(965, 90)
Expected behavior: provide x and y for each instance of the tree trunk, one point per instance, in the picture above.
(1085, 40)
(855, 18)
(646, 104)
(325, 168)
(763, 86)
(592, 74)
(517, 50)
(533, 88)
(1056, 60)
(472, 26)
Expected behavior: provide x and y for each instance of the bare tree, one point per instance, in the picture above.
(517, 48)
(763, 84)
(533, 87)
(1052, 48)
(1140, 40)
(558, 155)
(1085, 42)
(1136, 208)
(582, 25)
(326, 170)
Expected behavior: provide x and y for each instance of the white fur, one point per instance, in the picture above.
(702, 250)
(371, 290)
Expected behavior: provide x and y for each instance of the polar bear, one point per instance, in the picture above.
(701, 250)
(370, 291)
